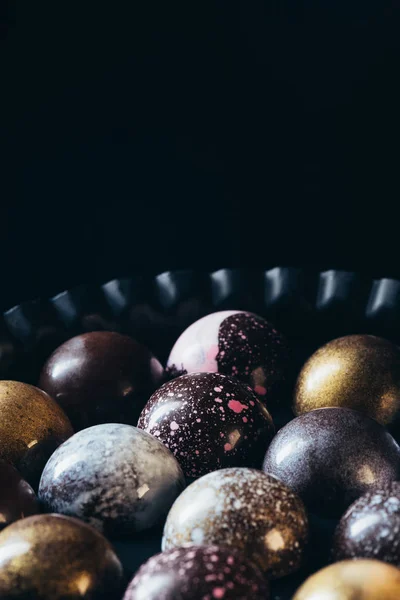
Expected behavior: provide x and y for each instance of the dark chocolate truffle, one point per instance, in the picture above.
(51, 557)
(32, 426)
(209, 421)
(244, 509)
(101, 377)
(371, 527)
(17, 498)
(116, 477)
(331, 456)
(196, 572)
(361, 372)
(235, 343)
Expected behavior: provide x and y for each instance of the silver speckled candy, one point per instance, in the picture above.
(246, 509)
(194, 572)
(115, 477)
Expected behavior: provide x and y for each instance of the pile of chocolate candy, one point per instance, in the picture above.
(110, 446)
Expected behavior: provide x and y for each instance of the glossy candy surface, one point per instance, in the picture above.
(361, 372)
(209, 421)
(116, 477)
(51, 557)
(352, 580)
(371, 527)
(194, 572)
(331, 456)
(101, 377)
(17, 498)
(32, 426)
(244, 509)
(235, 343)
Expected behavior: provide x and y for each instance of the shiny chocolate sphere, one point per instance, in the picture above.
(115, 477)
(17, 498)
(32, 426)
(361, 372)
(198, 572)
(236, 343)
(352, 580)
(101, 377)
(371, 527)
(209, 421)
(51, 557)
(244, 509)
(331, 456)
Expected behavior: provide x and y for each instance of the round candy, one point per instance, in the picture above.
(244, 509)
(198, 572)
(361, 372)
(352, 580)
(331, 456)
(17, 498)
(50, 557)
(32, 426)
(234, 343)
(116, 477)
(209, 421)
(371, 527)
(101, 377)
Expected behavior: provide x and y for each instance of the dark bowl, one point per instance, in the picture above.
(309, 307)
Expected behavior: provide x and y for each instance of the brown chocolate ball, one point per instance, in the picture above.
(17, 498)
(371, 527)
(101, 377)
(197, 572)
(209, 421)
(32, 426)
(51, 557)
(244, 509)
(361, 372)
(331, 456)
(352, 580)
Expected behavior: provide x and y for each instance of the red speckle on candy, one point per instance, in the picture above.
(236, 406)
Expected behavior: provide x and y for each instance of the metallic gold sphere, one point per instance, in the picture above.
(52, 557)
(361, 372)
(32, 426)
(352, 580)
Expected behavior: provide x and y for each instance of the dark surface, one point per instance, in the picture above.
(370, 528)
(198, 572)
(209, 421)
(101, 377)
(17, 498)
(308, 306)
(331, 456)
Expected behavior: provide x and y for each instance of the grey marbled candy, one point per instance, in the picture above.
(115, 477)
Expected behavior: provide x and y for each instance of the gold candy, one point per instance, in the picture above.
(361, 372)
(352, 580)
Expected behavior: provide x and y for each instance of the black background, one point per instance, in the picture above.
(159, 135)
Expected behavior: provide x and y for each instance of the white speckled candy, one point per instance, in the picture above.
(246, 509)
(115, 477)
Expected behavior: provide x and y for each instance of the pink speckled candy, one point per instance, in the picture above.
(235, 343)
(209, 421)
(198, 572)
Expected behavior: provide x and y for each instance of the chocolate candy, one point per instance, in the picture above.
(331, 456)
(209, 421)
(352, 580)
(32, 426)
(17, 498)
(371, 527)
(101, 377)
(51, 557)
(116, 477)
(235, 343)
(198, 572)
(244, 509)
(361, 372)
